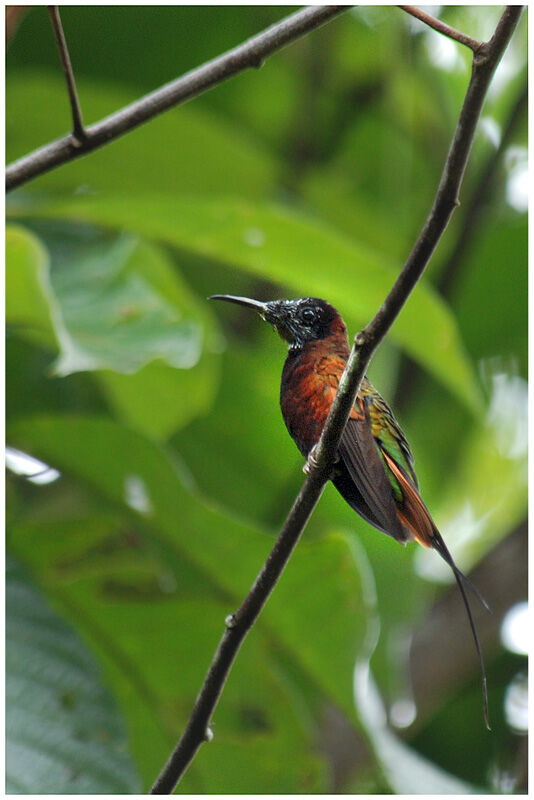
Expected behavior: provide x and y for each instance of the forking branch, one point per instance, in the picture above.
(441, 27)
(251, 53)
(485, 60)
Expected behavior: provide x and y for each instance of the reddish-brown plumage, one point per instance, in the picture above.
(309, 384)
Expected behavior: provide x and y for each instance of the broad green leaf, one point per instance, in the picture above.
(332, 194)
(145, 322)
(187, 149)
(63, 732)
(112, 461)
(487, 492)
(497, 281)
(121, 311)
(30, 303)
(310, 258)
(241, 449)
(129, 604)
(115, 318)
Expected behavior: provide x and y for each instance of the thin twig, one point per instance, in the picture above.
(251, 53)
(443, 28)
(78, 130)
(237, 625)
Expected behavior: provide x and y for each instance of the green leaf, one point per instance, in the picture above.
(207, 564)
(497, 281)
(245, 452)
(122, 311)
(308, 257)
(187, 149)
(486, 495)
(115, 318)
(138, 317)
(29, 296)
(63, 733)
(155, 630)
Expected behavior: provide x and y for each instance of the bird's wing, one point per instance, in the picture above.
(389, 437)
(360, 455)
(398, 462)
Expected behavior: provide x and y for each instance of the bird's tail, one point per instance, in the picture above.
(416, 517)
(440, 547)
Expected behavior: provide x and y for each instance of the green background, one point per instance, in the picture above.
(311, 176)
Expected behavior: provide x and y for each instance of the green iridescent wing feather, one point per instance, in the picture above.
(388, 436)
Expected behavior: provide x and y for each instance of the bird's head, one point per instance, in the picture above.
(299, 321)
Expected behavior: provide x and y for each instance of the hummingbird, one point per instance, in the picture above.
(374, 471)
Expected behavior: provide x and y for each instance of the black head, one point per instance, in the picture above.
(297, 321)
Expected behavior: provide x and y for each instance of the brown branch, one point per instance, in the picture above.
(443, 28)
(197, 729)
(251, 53)
(78, 130)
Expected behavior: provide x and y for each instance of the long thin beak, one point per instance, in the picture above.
(261, 308)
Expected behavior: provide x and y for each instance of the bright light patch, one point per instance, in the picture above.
(29, 467)
(443, 52)
(516, 163)
(402, 713)
(254, 237)
(464, 527)
(492, 130)
(136, 494)
(516, 703)
(515, 629)
(508, 414)
(509, 68)
(517, 188)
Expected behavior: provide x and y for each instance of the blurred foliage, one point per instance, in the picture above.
(63, 732)
(310, 176)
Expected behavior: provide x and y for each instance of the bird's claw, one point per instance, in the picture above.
(311, 461)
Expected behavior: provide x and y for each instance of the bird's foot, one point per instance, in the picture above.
(311, 461)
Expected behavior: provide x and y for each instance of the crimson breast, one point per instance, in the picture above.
(309, 384)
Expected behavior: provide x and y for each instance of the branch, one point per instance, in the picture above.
(251, 53)
(441, 27)
(237, 625)
(78, 130)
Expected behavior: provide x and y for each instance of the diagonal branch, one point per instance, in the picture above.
(197, 729)
(443, 28)
(78, 130)
(251, 53)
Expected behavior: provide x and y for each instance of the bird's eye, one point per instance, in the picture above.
(308, 315)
